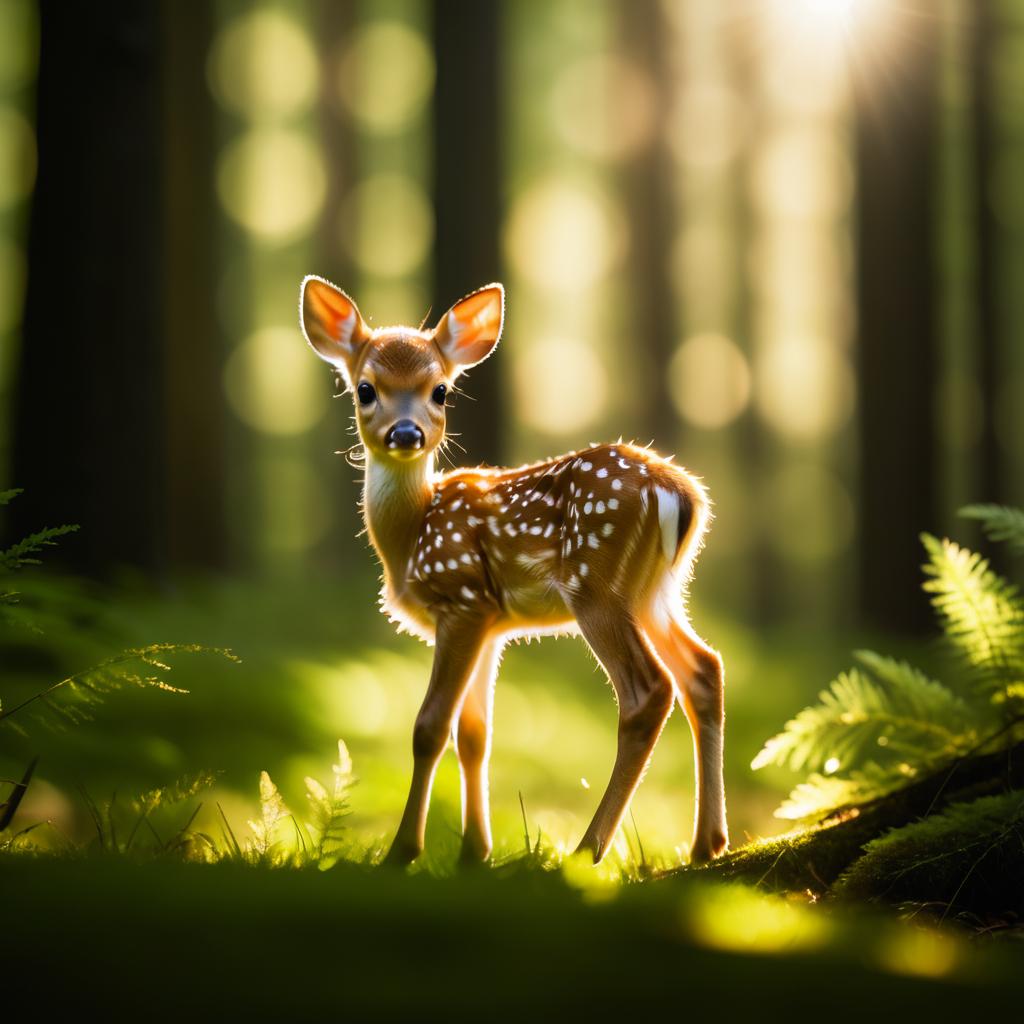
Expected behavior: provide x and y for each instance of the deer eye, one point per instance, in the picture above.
(440, 394)
(366, 393)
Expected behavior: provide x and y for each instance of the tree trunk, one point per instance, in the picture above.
(896, 237)
(193, 355)
(467, 197)
(88, 435)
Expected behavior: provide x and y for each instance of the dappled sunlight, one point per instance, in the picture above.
(742, 921)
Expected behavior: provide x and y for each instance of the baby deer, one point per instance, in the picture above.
(598, 542)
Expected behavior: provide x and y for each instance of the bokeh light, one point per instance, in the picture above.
(386, 75)
(563, 235)
(272, 182)
(17, 157)
(603, 106)
(12, 283)
(19, 43)
(263, 66)
(385, 301)
(387, 224)
(561, 385)
(804, 386)
(802, 174)
(295, 509)
(710, 381)
(273, 384)
(809, 513)
(706, 127)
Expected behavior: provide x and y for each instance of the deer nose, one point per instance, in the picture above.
(404, 434)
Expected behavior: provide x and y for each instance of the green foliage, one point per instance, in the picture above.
(999, 522)
(964, 854)
(980, 612)
(73, 698)
(888, 707)
(281, 838)
(19, 554)
(884, 723)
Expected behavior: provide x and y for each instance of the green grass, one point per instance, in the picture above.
(166, 939)
(320, 664)
(122, 918)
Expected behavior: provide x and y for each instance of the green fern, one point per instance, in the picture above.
(74, 697)
(980, 612)
(819, 796)
(892, 711)
(1000, 523)
(885, 723)
(330, 808)
(263, 847)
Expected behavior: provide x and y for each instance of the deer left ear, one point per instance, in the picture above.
(468, 333)
(331, 323)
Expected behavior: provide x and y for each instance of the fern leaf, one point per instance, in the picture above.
(273, 811)
(1000, 523)
(330, 808)
(6, 497)
(822, 795)
(20, 554)
(899, 714)
(980, 612)
(74, 697)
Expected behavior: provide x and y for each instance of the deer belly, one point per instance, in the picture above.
(535, 606)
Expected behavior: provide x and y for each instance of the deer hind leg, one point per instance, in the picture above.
(645, 698)
(700, 686)
(473, 745)
(458, 645)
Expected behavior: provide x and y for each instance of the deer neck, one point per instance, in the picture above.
(396, 496)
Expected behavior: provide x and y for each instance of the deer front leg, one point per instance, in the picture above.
(473, 745)
(458, 644)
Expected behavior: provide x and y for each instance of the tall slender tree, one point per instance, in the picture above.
(896, 124)
(193, 350)
(88, 426)
(467, 194)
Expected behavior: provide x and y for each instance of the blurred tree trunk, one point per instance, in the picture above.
(896, 124)
(467, 197)
(986, 340)
(193, 362)
(650, 212)
(333, 24)
(88, 436)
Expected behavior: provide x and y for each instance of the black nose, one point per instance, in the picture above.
(404, 434)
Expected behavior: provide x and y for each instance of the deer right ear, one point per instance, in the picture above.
(331, 323)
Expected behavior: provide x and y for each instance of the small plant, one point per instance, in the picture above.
(884, 724)
(73, 699)
(281, 838)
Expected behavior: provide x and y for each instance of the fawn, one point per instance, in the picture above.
(598, 542)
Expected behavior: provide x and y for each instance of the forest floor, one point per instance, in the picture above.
(535, 930)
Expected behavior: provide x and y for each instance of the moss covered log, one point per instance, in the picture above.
(814, 858)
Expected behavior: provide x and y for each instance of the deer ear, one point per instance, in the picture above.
(468, 333)
(331, 323)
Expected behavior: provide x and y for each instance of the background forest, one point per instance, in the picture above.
(783, 239)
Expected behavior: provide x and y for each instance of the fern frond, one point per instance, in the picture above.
(74, 697)
(273, 811)
(330, 808)
(1000, 523)
(899, 714)
(980, 612)
(822, 795)
(6, 497)
(19, 554)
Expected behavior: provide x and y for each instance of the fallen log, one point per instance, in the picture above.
(812, 859)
